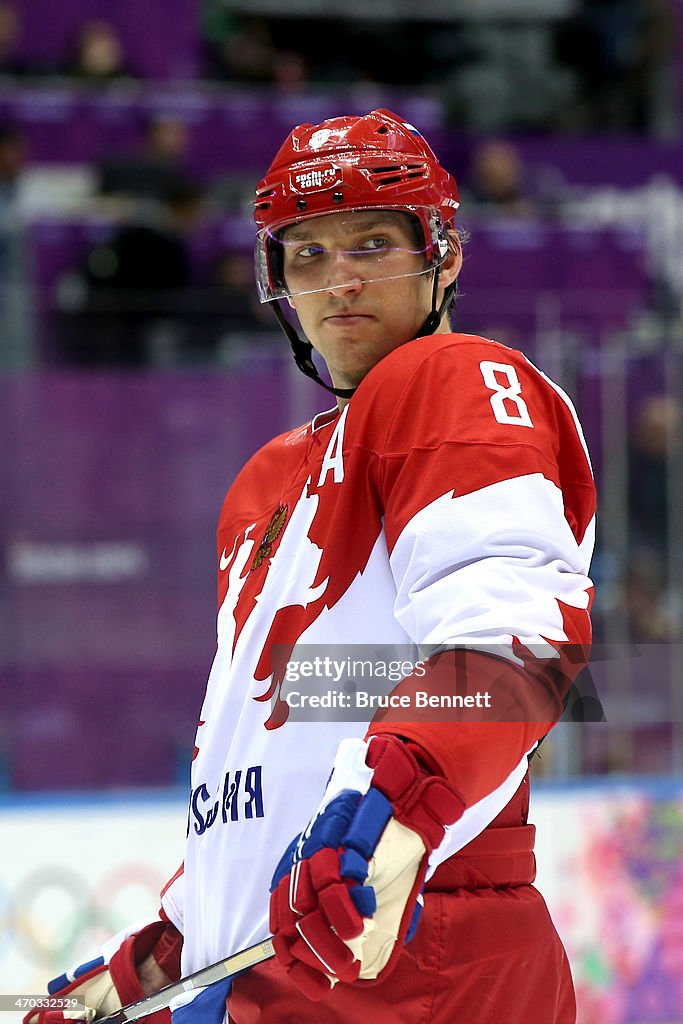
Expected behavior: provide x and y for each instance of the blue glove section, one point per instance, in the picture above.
(364, 899)
(330, 826)
(368, 823)
(328, 829)
(207, 1007)
(352, 865)
(57, 984)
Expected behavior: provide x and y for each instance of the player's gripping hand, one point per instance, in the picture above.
(347, 892)
(125, 971)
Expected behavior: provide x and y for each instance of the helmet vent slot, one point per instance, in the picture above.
(414, 168)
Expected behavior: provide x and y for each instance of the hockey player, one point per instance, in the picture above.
(445, 505)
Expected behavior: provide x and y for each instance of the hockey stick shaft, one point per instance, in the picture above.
(161, 1000)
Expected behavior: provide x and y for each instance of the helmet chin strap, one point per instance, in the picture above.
(303, 350)
(303, 355)
(434, 318)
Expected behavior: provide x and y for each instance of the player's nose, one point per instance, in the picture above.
(343, 275)
(346, 288)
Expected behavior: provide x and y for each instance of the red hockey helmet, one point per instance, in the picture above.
(349, 164)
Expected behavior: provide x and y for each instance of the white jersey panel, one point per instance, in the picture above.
(511, 558)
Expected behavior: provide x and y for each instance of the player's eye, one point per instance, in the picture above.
(373, 244)
(307, 251)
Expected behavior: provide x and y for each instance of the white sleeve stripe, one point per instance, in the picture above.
(487, 566)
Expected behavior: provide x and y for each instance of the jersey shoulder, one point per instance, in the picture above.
(262, 475)
(443, 349)
(458, 388)
(441, 365)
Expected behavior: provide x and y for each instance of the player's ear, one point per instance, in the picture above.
(452, 265)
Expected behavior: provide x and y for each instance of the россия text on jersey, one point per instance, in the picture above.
(241, 797)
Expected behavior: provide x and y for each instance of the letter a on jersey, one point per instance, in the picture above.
(334, 456)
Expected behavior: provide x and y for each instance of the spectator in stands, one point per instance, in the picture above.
(99, 54)
(291, 72)
(652, 614)
(653, 603)
(168, 138)
(140, 278)
(11, 63)
(153, 168)
(12, 162)
(618, 49)
(246, 50)
(657, 433)
(241, 50)
(236, 302)
(496, 182)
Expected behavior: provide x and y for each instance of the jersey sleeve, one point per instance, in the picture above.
(489, 509)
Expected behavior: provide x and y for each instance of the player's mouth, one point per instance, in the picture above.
(347, 319)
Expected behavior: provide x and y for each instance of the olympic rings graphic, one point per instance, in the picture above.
(52, 908)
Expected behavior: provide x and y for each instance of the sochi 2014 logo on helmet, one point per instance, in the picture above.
(315, 179)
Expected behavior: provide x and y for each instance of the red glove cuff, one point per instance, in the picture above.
(168, 950)
(163, 941)
(424, 803)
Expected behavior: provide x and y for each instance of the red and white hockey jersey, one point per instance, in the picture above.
(451, 503)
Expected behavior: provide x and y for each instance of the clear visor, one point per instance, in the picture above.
(341, 250)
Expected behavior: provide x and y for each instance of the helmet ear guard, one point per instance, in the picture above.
(269, 267)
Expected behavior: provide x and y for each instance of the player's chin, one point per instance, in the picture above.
(350, 375)
(358, 332)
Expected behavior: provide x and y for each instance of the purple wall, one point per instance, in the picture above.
(112, 485)
(232, 129)
(238, 130)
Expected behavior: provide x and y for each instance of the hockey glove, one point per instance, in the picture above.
(111, 981)
(347, 892)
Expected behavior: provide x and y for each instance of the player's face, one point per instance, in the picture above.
(372, 292)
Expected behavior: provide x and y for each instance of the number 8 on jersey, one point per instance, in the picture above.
(504, 395)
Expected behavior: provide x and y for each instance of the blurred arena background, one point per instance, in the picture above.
(137, 373)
